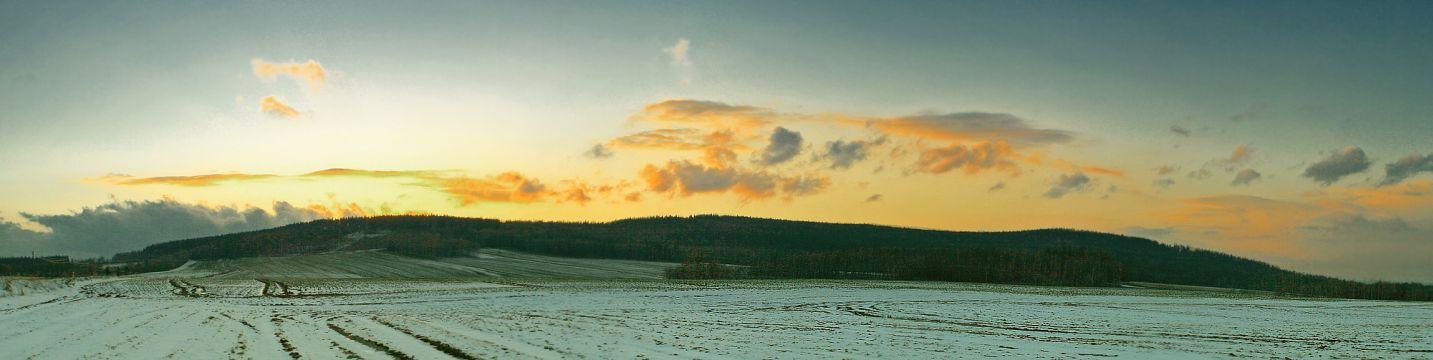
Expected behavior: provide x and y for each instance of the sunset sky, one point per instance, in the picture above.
(1296, 132)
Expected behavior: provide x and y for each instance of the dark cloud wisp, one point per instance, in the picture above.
(785, 145)
(1068, 183)
(1348, 161)
(842, 154)
(598, 151)
(1406, 167)
(1245, 177)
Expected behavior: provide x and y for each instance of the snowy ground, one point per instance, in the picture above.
(21, 286)
(205, 311)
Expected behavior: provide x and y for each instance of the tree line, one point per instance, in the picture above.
(40, 267)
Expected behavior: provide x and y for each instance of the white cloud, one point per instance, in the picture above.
(681, 58)
(679, 51)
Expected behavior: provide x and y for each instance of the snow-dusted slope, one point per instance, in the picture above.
(343, 265)
(22, 286)
(522, 265)
(383, 265)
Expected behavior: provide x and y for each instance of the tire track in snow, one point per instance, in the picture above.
(499, 339)
(439, 345)
(284, 289)
(377, 346)
(304, 331)
(346, 352)
(283, 340)
(185, 288)
(241, 348)
(246, 323)
(400, 339)
(276, 288)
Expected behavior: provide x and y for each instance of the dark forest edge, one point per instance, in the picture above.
(729, 247)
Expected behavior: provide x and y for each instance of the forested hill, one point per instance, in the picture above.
(793, 249)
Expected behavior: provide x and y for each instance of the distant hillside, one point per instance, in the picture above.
(491, 263)
(792, 249)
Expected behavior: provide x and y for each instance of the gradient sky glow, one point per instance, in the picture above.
(1292, 132)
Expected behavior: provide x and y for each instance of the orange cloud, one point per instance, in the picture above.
(718, 156)
(1237, 159)
(506, 187)
(971, 126)
(1248, 223)
(577, 194)
(1103, 170)
(212, 179)
(709, 114)
(582, 192)
(309, 72)
(1241, 154)
(111, 178)
(671, 139)
(369, 173)
(1347, 230)
(973, 159)
(978, 140)
(634, 196)
(273, 106)
(959, 126)
(1408, 195)
(718, 147)
(195, 180)
(754, 187)
(686, 179)
(339, 210)
(509, 187)
(804, 185)
(660, 179)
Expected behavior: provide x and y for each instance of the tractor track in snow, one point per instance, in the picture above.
(276, 288)
(284, 341)
(185, 288)
(438, 345)
(380, 347)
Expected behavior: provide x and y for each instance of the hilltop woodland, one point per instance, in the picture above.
(60, 266)
(725, 247)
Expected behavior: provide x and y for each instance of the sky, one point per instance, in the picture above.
(1293, 132)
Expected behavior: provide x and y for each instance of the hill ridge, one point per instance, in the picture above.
(794, 249)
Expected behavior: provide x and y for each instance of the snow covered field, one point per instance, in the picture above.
(206, 310)
(21, 286)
